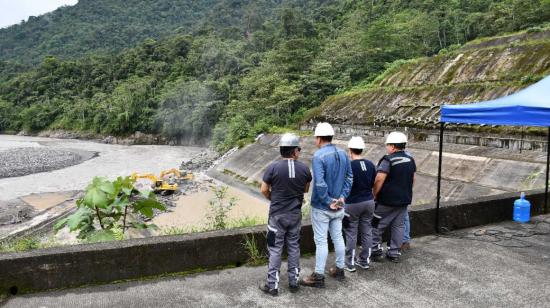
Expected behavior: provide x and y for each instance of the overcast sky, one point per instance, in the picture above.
(13, 11)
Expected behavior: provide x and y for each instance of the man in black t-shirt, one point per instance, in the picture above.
(359, 207)
(284, 183)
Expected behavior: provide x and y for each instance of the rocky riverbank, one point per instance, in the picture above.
(137, 138)
(24, 161)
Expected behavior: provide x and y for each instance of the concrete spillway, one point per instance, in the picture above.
(468, 171)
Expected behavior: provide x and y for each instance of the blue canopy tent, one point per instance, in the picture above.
(528, 107)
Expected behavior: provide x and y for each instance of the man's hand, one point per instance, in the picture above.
(378, 182)
(266, 190)
(337, 204)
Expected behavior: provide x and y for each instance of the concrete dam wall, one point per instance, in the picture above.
(468, 171)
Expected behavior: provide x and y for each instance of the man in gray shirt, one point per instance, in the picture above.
(393, 190)
(284, 183)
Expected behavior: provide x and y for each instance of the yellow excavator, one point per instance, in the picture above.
(178, 175)
(167, 182)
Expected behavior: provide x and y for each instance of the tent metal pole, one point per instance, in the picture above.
(522, 137)
(441, 130)
(547, 172)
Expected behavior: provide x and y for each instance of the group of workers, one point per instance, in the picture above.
(351, 198)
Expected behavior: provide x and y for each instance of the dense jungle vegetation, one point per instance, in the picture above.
(221, 70)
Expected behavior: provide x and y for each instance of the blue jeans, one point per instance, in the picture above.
(407, 233)
(324, 222)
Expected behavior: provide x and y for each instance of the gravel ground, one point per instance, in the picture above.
(24, 161)
(200, 162)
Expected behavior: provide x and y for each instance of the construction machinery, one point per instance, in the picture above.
(167, 182)
(178, 175)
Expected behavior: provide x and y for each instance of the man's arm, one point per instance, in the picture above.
(319, 183)
(378, 182)
(266, 190)
(348, 182)
(306, 190)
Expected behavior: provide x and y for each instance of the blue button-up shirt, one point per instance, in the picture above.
(332, 176)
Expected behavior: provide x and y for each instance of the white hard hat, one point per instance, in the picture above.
(356, 143)
(396, 138)
(324, 129)
(289, 140)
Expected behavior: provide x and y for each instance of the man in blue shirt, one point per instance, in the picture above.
(284, 183)
(332, 180)
(359, 207)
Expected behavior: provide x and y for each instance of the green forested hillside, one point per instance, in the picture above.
(240, 68)
(93, 26)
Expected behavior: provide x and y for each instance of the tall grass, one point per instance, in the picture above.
(255, 255)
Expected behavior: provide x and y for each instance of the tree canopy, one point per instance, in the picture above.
(224, 70)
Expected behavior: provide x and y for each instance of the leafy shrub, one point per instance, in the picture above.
(20, 244)
(113, 206)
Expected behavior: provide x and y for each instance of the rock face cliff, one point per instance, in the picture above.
(410, 92)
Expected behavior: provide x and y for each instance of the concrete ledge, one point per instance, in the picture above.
(470, 213)
(77, 265)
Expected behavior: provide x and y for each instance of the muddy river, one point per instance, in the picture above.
(109, 160)
(46, 190)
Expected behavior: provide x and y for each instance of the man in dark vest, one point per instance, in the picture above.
(284, 183)
(393, 191)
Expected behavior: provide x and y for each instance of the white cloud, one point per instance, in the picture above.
(13, 11)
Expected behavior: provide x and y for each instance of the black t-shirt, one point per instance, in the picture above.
(364, 174)
(288, 179)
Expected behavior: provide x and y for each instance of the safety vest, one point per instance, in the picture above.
(397, 188)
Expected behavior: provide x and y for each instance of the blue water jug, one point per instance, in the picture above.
(522, 209)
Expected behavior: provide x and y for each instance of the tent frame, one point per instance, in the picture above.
(441, 133)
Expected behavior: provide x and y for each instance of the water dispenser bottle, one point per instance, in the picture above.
(522, 209)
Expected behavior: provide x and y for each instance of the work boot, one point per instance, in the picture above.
(337, 273)
(393, 259)
(405, 246)
(314, 280)
(378, 258)
(267, 290)
(293, 287)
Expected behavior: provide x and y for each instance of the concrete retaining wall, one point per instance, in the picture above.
(78, 265)
(514, 143)
(473, 172)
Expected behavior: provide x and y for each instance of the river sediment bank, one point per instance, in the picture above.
(137, 138)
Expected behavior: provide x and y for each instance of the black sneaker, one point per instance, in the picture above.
(267, 290)
(293, 287)
(364, 266)
(314, 280)
(337, 273)
(350, 268)
(393, 259)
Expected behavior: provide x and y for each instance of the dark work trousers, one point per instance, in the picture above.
(284, 228)
(392, 217)
(357, 219)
